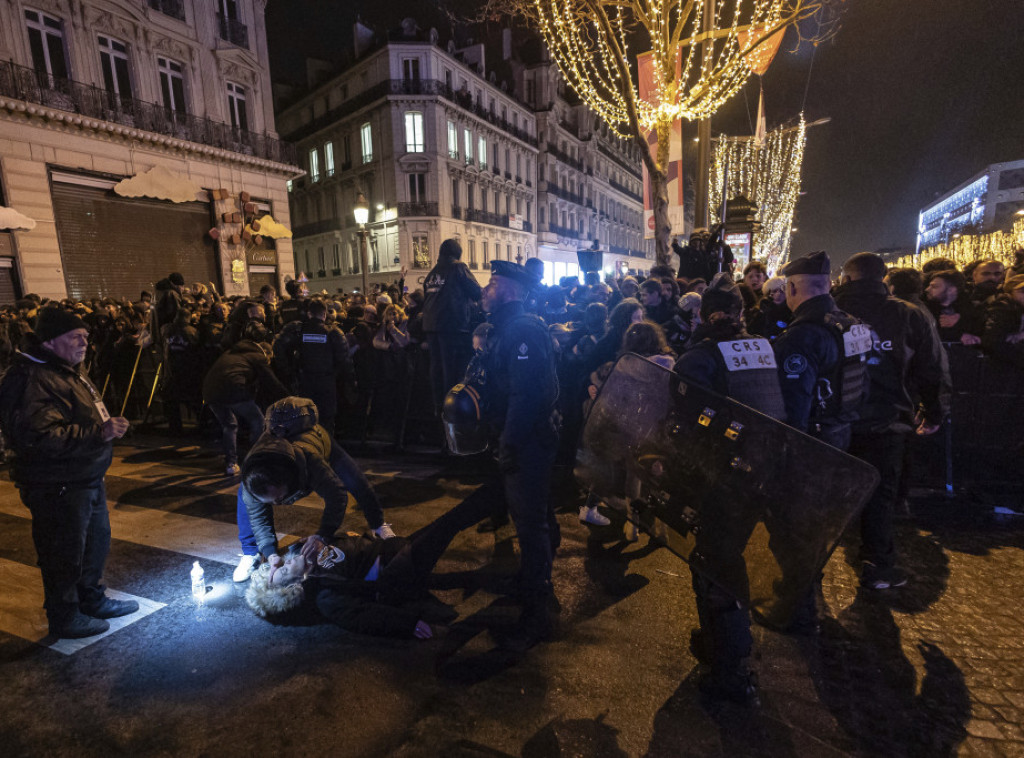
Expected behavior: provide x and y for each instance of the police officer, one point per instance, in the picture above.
(729, 361)
(319, 354)
(905, 352)
(521, 391)
(450, 293)
(822, 370)
(295, 307)
(821, 354)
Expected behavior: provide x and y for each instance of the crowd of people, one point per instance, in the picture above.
(857, 362)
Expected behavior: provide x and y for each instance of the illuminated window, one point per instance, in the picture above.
(314, 165)
(467, 139)
(413, 132)
(481, 148)
(453, 140)
(420, 251)
(366, 140)
(329, 159)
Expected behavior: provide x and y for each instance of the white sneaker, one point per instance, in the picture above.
(593, 516)
(233, 469)
(245, 567)
(385, 532)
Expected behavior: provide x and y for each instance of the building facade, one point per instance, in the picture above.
(93, 93)
(437, 150)
(987, 202)
(590, 183)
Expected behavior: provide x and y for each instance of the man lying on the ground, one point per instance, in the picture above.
(363, 585)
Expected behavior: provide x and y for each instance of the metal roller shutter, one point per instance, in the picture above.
(117, 247)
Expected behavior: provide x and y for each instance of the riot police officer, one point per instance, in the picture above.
(318, 355)
(728, 360)
(821, 354)
(296, 307)
(519, 403)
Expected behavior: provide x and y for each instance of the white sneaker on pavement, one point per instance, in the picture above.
(593, 516)
(385, 532)
(246, 565)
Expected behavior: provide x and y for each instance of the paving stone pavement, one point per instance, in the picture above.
(931, 669)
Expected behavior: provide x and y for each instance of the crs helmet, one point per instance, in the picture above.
(462, 415)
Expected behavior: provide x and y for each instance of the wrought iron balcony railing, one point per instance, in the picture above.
(38, 87)
(234, 31)
(172, 8)
(417, 209)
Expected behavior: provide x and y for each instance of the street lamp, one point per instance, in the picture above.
(361, 211)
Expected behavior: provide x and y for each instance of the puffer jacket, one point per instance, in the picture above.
(50, 420)
(309, 457)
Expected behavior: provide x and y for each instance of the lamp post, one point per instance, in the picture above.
(361, 211)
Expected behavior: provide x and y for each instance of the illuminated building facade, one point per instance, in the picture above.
(987, 202)
(438, 148)
(95, 92)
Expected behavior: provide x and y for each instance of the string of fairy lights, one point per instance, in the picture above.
(768, 174)
(966, 248)
(589, 41)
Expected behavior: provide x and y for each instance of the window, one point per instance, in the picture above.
(541, 213)
(494, 155)
(413, 132)
(236, 106)
(420, 251)
(448, 78)
(114, 62)
(472, 253)
(484, 249)
(497, 195)
(470, 196)
(481, 147)
(366, 140)
(346, 152)
(321, 263)
(336, 257)
(453, 140)
(455, 193)
(46, 39)
(314, 165)
(329, 159)
(467, 139)
(411, 69)
(508, 252)
(172, 84)
(417, 188)
(483, 200)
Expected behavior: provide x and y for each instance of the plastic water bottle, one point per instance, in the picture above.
(198, 582)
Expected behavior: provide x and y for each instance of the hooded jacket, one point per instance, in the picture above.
(906, 352)
(449, 293)
(50, 419)
(309, 456)
(234, 375)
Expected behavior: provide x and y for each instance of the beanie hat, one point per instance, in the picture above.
(53, 322)
(450, 249)
(176, 279)
(721, 295)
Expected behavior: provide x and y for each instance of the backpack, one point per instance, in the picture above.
(291, 416)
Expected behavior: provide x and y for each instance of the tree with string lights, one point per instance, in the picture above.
(696, 55)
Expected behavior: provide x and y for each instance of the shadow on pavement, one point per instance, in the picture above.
(865, 679)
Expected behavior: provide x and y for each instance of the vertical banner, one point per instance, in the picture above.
(649, 92)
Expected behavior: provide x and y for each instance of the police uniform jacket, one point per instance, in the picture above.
(318, 349)
(309, 454)
(906, 352)
(50, 420)
(522, 384)
(449, 293)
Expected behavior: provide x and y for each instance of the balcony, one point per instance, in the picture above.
(65, 94)
(529, 183)
(320, 227)
(172, 8)
(234, 31)
(453, 154)
(622, 163)
(486, 217)
(417, 209)
(564, 231)
(625, 190)
(508, 174)
(554, 189)
(619, 250)
(483, 165)
(519, 179)
(564, 157)
(497, 171)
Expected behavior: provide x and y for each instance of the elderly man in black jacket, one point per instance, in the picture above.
(62, 438)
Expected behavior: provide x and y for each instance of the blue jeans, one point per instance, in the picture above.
(228, 415)
(351, 476)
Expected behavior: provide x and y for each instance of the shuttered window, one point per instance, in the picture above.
(115, 246)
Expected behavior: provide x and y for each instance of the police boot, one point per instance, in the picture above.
(535, 625)
(735, 684)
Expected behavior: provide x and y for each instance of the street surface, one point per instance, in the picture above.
(929, 670)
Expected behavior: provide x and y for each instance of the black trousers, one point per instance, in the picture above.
(450, 353)
(71, 532)
(884, 451)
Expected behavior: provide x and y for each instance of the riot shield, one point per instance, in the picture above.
(753, 504)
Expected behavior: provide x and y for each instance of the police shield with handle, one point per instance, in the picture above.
(754, 506)
(517, 407)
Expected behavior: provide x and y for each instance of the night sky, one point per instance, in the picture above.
(922, 96)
